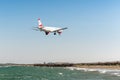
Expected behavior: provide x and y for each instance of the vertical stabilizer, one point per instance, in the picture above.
(39, 23)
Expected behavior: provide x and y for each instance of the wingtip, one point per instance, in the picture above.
(66, 27)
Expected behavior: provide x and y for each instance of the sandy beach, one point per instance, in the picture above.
(99, 66)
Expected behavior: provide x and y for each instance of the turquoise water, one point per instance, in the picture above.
(50, 73)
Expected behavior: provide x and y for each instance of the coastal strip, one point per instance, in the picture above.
(106, 65)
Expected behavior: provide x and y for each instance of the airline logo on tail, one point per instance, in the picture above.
(48, 30)
(39, 23)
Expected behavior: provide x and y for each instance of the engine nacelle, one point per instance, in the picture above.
(59, 32)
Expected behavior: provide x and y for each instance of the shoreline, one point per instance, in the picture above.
(99, 66)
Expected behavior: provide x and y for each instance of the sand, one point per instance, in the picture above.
(99, 66)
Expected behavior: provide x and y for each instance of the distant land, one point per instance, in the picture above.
(112, 65)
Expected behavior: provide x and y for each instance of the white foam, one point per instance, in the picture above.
(102, 71)
(60, 73)
(4, 66)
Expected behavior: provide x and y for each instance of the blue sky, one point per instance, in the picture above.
(93, 32)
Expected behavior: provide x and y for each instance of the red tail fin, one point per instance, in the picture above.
(39, 23)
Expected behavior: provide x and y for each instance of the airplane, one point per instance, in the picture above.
(48, 30)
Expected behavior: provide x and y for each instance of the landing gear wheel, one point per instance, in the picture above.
(54, 33)
(46, 33)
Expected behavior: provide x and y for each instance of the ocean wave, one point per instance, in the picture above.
(4, 66)
(60, 73)
(102, 71)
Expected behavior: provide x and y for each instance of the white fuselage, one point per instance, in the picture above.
(50, 29)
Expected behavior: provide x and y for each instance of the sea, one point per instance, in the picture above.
(56, 73)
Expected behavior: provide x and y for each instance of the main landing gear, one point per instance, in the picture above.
(54, 33)
(46, 33)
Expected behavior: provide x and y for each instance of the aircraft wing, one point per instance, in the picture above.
(35, 28)
(60, 29)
